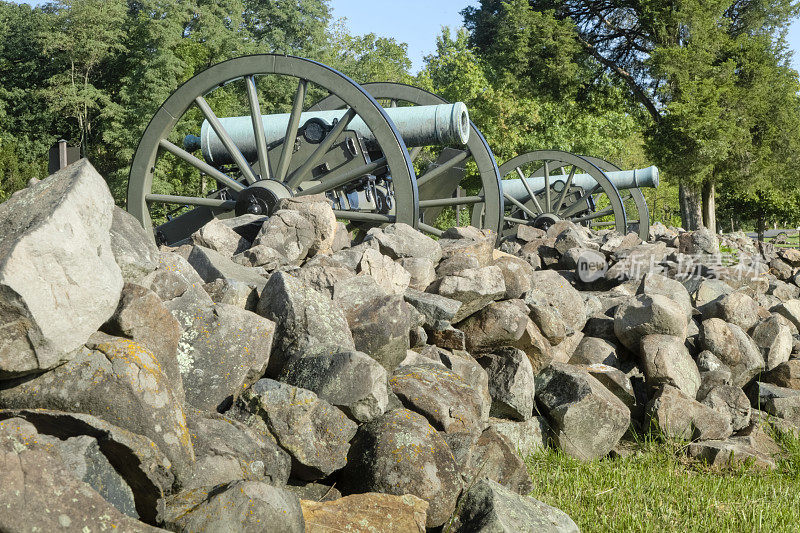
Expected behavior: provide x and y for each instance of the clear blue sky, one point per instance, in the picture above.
(418, 22)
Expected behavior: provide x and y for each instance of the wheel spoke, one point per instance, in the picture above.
(430, 229)
(201, 165)
(358, 216)
(392, 103)
(516, 220)
(230, 146)
(258, 127)
(520, 205)
(291, 131)
(547, 200)
(298, 175)
(415, 153)
(598, 214)
(190, 200)
(599, 223)
(333, 181)
(576, 207)
(529, 190)
(441, 169)
(444, 202)
(560, 201)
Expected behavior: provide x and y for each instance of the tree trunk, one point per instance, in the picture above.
(762, 226)
(709, 206)
(691, 212)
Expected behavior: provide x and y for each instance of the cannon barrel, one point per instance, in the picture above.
(623, 179)
(445, 125)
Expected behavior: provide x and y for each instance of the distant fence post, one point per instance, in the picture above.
(62, 155)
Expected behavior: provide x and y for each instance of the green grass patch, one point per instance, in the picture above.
(657, 488)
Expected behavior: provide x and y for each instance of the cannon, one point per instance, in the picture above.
(352, 145)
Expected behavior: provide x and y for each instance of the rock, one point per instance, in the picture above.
(511, 384)
(133, 247)
(307, 323)
(322, 274)
(709, 290)
(392, 277)
(701, 241)
(317, 210)
(246, 225)
(488, 506)
(118, 462)
(211, 265)
(536, 347)
(228, 450)
(497, 325)
(490, 455)
(472, 373)
(59, 281)
(593, 350)
(351, 381)
(449, 338)
(235, 506)
(262, 256)
(778, 401)
(729, 452)
(786, 374)
(400, 453)
(735, 308)
(402, 241)
(665, 359)
(790, 310)
(479, 248)
(734, 348)
(314, 491)
(219, 237)
(115, 379)
(439, 394)
(455, 264)
(366, 513)
(568, 239)
(225, 291)
(645, 315)
(679, 416)
(35, 480)
(774, 339)
(587, 419)
(142, 318)
(291, 234)
(381, 328)
(315, 433)
(437, 310)
(790, 255)
(421, 270)
(526, 437)
(550, 288)
(223, 349)
(351, 293)
(474, 288)
(731, 401)
(527, 233)
(516, 275)
(657, 284)
(341, 238)
(615, 381)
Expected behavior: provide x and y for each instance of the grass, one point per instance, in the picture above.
(658, 488)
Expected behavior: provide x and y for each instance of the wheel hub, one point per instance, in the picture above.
(544, 221)
(261, 198)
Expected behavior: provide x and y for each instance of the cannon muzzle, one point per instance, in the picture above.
(623, 179)
(443, 125)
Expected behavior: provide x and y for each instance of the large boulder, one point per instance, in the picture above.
(211, 265)
(679, 416)
(731, 401)
(673, 289)
(489, 455)
(511, 383)
(392, 277)
(488, 506)
(218, 236)
(774, 338)
(587, 419)
(549, 288)
(777, 401)
(315, 433)
(525, 437)
(400, 453)
(380, 328)
(290, 234)
(235, 506)
(786, 374)
(474, 288)
(448, 402)
(352, 381)
(317, 210)
(366, 513)
(665, 359)
(497, 325)
(437, 310)
(401, 241)
(307, 323)
(737, 308)
(645, 315)
(701, 241)
(734, 348)
(516, 274)
(133, 246)
(119, 381)
(59, 281)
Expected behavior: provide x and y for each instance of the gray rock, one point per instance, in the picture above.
(790, 310)
(536, 347)
(315, 433)
(587, 419)
(471, 372)
(341, 238)
(228, 450)
(289, 233)
(226, 291)
(59, 281)
(527, 233)
(476, 246)
(307, 323)
(392, 277)
(421, 269)
(219, 237)
(115, 379)
(489, 455)
(437, 310)
(400, 453)
(262, 256)
(448, 338)
(474, 288)
(550, 323)
(313, 491)
(317, 210)
(236, 506)
(593, 350)
(551, 289)
(322, 274)
(511, 384)
(731, 401)
(657, 284)
(455, 264)
(679, 416)
(351, 293)
(32, 471)
(497, 325)
(133, 247)
(246, 225)
(516, 275)
(568, 239)
(734, 348)
(381, 328)
(778, 401)
(731, 452)
(701, 241)
(709, 290)
(645, 315)
(488, 506)
(735, 308)
(786, 374)
(526, 437)
(351, 381)
(402, 241)
(665, 359)
(615, 380)
(211, 265)
(441, 395)
(774, 339)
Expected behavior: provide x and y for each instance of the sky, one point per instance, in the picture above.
(418, 22)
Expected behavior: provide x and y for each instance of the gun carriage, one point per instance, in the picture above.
(381, 153)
